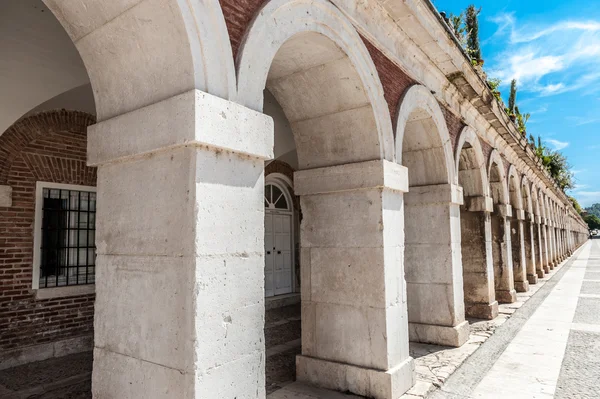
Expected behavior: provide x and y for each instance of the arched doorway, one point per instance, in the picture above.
(475, 224)
(501, 245)
(530, 232)
(517, 231)
(279, 239)
(431, 222)
(316, 66)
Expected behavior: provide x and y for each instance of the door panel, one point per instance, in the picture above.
(269, 256)
(283, 260)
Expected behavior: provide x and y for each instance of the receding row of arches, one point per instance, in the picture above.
(402, 232)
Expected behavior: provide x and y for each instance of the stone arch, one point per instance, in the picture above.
(530, 241)
(423, 142)
(478, 273)
(526, 195)
(315, 64)
(497, 179)
(470, 167)
(424, 147)
(514, 188)
(535, 200)
(180, 46)
(312, 60)
(27, 130)
(517, 230)
(500, 225)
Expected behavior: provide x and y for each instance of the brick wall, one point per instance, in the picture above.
(49, 146)
(238, 14)
(454, 124)
(393, 79)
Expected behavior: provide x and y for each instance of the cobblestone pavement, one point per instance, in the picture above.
(434, 364)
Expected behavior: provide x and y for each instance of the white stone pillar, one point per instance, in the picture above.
(530, 230)
(502, 255)
(478, 267)
(179, 307)
(541, 247)
(433, 264)
(545, 246)
(550, 241)
(519, 261)
(554, 257)
(354, 315)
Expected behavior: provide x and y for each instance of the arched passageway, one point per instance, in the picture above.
(319, 71)
(517, 231)
(529, 232)
(475, 224)
(432, 217)
(501, 248)
(546, 245)
(537, 232)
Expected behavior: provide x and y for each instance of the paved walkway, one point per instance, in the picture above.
(545, 345)
(549, 351)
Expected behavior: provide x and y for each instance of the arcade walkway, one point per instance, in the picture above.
(548, 346)
(556, 350)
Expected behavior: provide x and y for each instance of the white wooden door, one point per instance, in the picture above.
(269, 255)
(278, 253)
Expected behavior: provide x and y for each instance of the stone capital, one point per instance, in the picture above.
(435, 194)
(354, 176)
(191, 119)
(519, 214)
(479, 203)
(504, 210)
(5, 196)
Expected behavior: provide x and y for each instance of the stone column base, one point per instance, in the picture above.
(439, 335)
(506, 296)
(522, 286)
(378, 384)
(532, 278)
(482, 310)
(547, 269)
(552, 265)
(541, 273)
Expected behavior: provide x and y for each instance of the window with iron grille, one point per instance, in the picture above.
(65, 235)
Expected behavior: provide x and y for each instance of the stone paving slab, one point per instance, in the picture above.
(435, 364)
(587, 311)
(580, 372)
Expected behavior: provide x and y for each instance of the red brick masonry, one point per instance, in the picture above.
(50, 146)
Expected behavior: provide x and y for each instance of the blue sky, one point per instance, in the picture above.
(552, 48)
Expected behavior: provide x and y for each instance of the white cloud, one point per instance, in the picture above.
(587, 198)
(583, 120)
(523, 36)
(558, 145)
(548, 60)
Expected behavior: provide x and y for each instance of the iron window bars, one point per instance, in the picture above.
(68, 251)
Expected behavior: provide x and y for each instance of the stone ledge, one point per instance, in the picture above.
(353, 176)
(5, 196)
(435, 194)
(193, 118)
(60, 292)
(479, 204)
